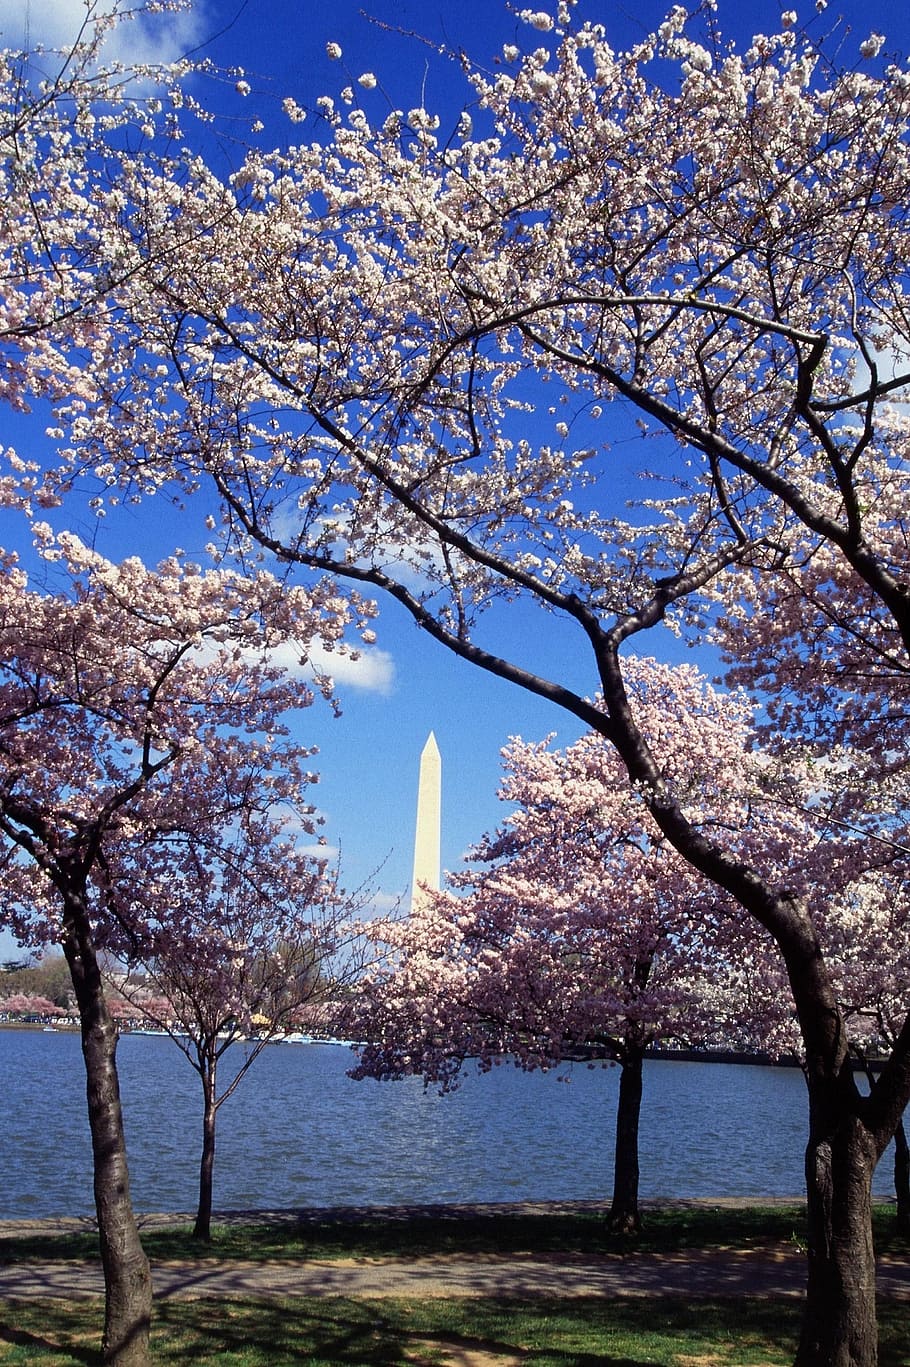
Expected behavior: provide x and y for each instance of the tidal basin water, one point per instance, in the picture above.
(299, 1132)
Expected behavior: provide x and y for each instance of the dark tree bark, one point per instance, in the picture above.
(624, 1214)
(127, 1277)
(839, 1324)
(901, 1156)
(902, 1177)
(202, 1229)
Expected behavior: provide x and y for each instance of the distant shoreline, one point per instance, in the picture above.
(660, 1052)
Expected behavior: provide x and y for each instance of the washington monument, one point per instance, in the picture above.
(427, 835)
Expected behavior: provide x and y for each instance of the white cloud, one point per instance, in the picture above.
(154, 38)
(416, 566)
(316, 851)
(383, 906)
(891, 360)
(372, 672)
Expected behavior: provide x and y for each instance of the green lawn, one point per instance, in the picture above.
(665, 1231)
(348, 1333)
(341, 1332)
(659, 1332)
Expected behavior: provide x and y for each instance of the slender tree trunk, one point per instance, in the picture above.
(839, 1325)
(203, 1227)
(902, 1177)
(624, 1214)
(127, 1277)
(901, 1160)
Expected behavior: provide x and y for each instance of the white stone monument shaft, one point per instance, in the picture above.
(429, 822)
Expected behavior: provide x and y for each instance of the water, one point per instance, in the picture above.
(298, 1132)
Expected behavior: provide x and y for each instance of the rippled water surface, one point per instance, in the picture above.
(299, 1132)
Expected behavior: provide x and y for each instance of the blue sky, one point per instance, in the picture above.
(369, 757)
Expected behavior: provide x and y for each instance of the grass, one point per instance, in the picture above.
(656, 1331)
(336, 1332)
(585, 1232)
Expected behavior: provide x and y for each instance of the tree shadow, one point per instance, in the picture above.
(339, 1333)
(346, 1332)
(60, 1330)
(277, 1332)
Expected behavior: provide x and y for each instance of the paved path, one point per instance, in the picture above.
(712, 1273)
(753, 1272)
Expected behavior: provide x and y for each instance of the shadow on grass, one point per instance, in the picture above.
(582, 1332)
(19, 1248)
(308, 1234)
(319, 1234)
(277, 1333)
(52, 1333)
(437, 1232)
(341, 1332)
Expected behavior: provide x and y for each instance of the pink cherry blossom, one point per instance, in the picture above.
(581, 932)
(365, 344)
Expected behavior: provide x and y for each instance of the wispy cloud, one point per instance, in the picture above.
(418, 565)
(327, 852)
(152, 38)
(373, 671)
(383, 906)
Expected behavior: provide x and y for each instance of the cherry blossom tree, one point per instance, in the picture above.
(66, 117)
(864, 926)
(401, 353)
(140, 722)
(583, 933)
(46, 975)
(24, 1004)
(870, 917)
(91, 723)
(239, 962)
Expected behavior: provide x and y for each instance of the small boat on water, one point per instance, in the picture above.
(296, 1038)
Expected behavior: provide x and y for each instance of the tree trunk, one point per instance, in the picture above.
(839, 1325)
(624, 1214)
(902, 1177)
(127, 1277)
(203, 1227)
